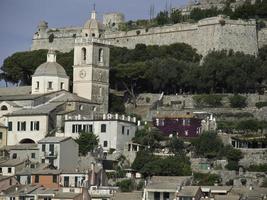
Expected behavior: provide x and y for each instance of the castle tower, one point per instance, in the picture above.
(91, 70)
(49, 76)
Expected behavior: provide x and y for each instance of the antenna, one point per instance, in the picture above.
(94, 6)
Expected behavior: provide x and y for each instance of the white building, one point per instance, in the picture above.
(10, 167)
(60, 152)
(113, 131)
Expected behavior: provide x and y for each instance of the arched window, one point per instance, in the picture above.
(14, 156)
(3, 107)
(101, 55)
(83, 54)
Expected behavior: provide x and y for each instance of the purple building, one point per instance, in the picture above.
(182, 126)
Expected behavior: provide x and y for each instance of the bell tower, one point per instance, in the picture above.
(91, 70)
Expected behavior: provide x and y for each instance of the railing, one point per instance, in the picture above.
(51, 154)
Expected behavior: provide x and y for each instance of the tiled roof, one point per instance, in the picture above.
(167, 182)
(21, 147)
(53, 139)
(23, 90)
(188, 191)
(44, 109)
(11, 163)
(127, 196)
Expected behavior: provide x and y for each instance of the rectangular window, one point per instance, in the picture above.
(156, 195)
(37, 85)
(122, 130)
(103, 128)
(54, 178)
(166, 195)
(33, 155)
(61, 85)
(9, 126)
(1, 170)
(21, 126)
(73, 128)
(43, 147)
(51, 149)
(36, 178)
(50, 84)
(105, 144)
(9, 170)
(88, 128)
(66, 181)
(1, 135)
(43, 160)
(35, 125)
(128, 132)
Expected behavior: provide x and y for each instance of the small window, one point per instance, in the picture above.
(1, 135)
(21, 126)
(105, 144)
(93, 34)
(54, 178)
(35, 125)
(33, 155)
(101, 55)
(50, 85)
(166, 195)
(37, 85)
(10, 181)
(128, 132)
(1, 171)
(122, 130)
(9, 170)
(36, 178)
(61, 85)
(43, 160)
(43, 147)
(3, 107)
(103, 128)
(32, 166)
(84, 54)
(9, 126)
(14, 156)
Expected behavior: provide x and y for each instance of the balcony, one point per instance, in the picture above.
(50, 154)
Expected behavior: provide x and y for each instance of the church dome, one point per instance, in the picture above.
(93, 24)
(51, 67)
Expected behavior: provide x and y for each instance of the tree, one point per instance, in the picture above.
(208, 145)
(176, 146)
(126, 185)
(238, 101)
(206, 179)
(162, 18)
(87, 142)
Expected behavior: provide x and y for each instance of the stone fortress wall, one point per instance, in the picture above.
(209, 34)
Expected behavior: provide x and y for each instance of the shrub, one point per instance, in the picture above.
(258, 168)
(238, 101)
(232, 165)
(261, 104)
(208, 100)
(206, 179)
(126, 185)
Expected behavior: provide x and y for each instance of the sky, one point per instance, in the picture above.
(19, 18)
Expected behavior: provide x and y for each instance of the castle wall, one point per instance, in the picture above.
(209, 34)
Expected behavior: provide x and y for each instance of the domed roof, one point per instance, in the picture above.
(93, 23)
(50, 69)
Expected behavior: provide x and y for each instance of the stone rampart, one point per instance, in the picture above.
(209, 34)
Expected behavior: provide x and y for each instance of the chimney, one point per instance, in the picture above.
(51, 56)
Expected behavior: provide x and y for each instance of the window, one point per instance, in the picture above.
(93, 34)
(33, 155)
(66, 181)
(3, 107)
(50, 84)
(1, 171)
(83, 54)
(14, 156)
(166, 195)
(9, 126)
(36, 178)
(29, 179)
(51, 148)
(103, 128)
(101, 55)
(32, 166)
(18, 178)
(1, 135)
(47, 198)
(105, 144)
(156, 195)
(61, 85)
(122, 130)
(54, 178)
(43, 147)
(21, 126)
(35, 125)
(37, 85)
(43, 160)
(9, 170)
(10, 181)
(76, 128)
(88, 128)
(128, 132)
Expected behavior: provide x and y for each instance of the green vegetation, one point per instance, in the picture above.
(208, 145)
(261, 104)
(208, 100)
(258, 168)
(87, 142)
(116, 104)
(206, 179)
(148, 164)
(238, 101)
(126, 185)
(233, 156)
(250, 125)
